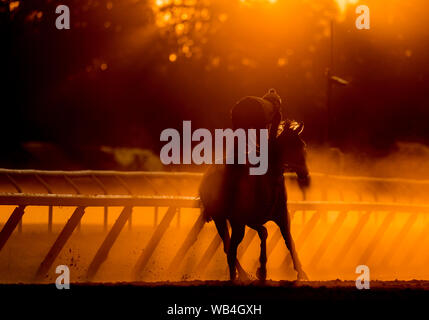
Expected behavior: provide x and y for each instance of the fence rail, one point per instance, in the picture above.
(82, 189)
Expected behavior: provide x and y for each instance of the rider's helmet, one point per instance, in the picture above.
(256, 112)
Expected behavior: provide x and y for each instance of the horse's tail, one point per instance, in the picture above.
(206, 215)
(210, 193)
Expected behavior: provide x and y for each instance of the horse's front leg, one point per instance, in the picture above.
(237, 235)
(222, 230)
(284, 225)
(261, 273)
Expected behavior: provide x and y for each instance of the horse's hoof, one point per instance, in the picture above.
(232, 276)
(302, 276)
(261, 274)
(243, 276)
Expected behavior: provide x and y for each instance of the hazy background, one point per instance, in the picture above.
(129, 69)
(98, 96)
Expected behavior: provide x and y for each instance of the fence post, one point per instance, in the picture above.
(11, 224)
(155, 217)
(187, 244)
(357, 230)
(106, 218)
(377, 237)
(60, 242)
(130, 221)
(153, 242)
(108, 242)
(178, 217)
(333, 230)
(50, 209)
(399, 239)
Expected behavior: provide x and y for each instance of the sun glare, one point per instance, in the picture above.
(342, 4)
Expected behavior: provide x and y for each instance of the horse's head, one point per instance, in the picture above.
(290, 150)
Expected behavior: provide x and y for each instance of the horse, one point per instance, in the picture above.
(229, 193)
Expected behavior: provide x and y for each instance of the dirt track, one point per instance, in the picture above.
(412, 285)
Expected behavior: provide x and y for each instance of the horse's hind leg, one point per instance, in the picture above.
(237, 235)
(222, 229)
(261, 273)
(284, 225)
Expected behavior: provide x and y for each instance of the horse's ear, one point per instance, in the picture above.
(300, 128)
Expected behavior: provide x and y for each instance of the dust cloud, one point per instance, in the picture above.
(392, 243)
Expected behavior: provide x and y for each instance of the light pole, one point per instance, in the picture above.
(331, 80)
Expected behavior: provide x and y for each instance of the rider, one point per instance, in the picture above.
(253, 113)
(263, 113)
(258, 113)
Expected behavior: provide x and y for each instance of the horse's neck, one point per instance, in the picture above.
(275, 165)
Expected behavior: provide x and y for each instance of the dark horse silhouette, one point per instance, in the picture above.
(229, 193)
